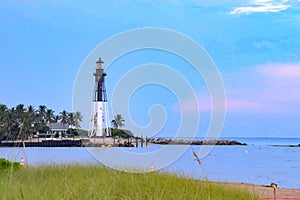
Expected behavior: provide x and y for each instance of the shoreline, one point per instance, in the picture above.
(194, 142)
(122, 142)
(287, 145)
(111, 142)
(264, 191)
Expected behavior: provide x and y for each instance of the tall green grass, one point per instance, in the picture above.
(8, 165)
(93, 182)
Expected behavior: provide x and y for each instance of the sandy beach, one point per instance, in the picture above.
(267, 192)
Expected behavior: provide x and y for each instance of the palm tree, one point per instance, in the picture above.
(56, 118)
(25, 127)
(118, 121)
(3, 113)
(42, 113)
(30, 109)
(19, 112)
(49, 116)
(71, 119)
(10, 124)
(3, 108)
(64, 117)
(28, 121)
(31, 113)
(78, 119)
(20, 108)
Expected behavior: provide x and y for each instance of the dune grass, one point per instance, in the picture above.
(94, 182)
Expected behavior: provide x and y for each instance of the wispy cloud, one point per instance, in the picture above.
(245, 106)
(278, 70)
(278, 89)
(257, 6)
(268, 88)
(232, 105)
(282, 82)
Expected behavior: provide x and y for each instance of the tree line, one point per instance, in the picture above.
(21, 122)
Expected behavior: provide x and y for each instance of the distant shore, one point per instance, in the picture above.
(110, 142)
(120, 142)
(288, 145)
(193, 142)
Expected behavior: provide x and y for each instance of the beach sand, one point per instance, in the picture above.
(267, 192)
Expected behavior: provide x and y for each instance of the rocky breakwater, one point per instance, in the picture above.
(193, 142)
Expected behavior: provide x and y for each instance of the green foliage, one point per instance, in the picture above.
(72, 132)
(118, 121)
(94, 182)
(121, 133)
(7, 165)
(20, 122)
(64, 117)
(82, 133)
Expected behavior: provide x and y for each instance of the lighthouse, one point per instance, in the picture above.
(99, 115)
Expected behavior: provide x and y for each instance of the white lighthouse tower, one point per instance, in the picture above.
(99, 115)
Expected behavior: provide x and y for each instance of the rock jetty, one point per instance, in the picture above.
(193, 142)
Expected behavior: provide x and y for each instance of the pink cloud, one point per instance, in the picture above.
(277, 89)
(231, 105)
(281, 82)
(239, 105)
(279, 70)
(270, 88)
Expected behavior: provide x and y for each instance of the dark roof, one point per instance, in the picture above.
(99, 61)
(58, 125)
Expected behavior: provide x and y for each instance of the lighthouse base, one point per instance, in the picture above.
(99, 120)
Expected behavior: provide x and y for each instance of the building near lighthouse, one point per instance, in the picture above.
(99, 126)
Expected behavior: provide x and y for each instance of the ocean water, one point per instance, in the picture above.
(260, 162)
(266, 140)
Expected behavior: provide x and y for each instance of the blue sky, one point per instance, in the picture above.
(255, 44)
